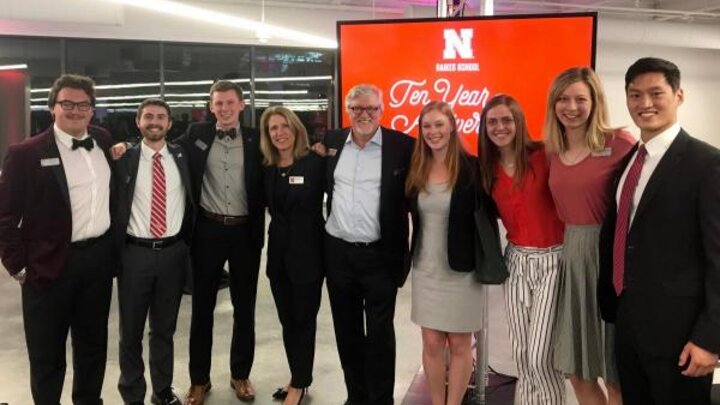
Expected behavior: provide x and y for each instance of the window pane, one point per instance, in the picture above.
(298, 79)
(190, 70)
(42, 56)
(125, 73)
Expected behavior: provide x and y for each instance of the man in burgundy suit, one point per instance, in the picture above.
(55, 241)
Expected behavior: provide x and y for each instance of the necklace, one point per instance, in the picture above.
(285, 170)
(579, 155)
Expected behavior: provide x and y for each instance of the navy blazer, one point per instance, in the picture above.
(295, 234)
(127, 169)
(197, 142)
(35, 211)
(461, 222)
(397, 149)
(672, 254)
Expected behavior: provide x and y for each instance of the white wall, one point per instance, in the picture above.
(695, 48)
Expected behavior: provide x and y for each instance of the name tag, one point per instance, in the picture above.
(605, 152)
(50, 162)
(201, 145)
(331, 152)
(296, 179)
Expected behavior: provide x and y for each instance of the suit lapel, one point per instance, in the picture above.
(386, 172)
(133, 162)
(182, 165)
(52, 152)
(248, 156)
(662, 172)
(333, 159)
(208, 138)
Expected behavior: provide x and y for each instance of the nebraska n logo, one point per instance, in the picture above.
(458, 45)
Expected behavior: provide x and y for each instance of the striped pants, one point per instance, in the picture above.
(531, 304)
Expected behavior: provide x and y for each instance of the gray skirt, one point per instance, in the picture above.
(584, 344)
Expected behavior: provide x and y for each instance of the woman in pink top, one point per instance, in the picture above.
(514, 171)
(584, 152)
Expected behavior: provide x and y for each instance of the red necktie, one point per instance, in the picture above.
(158, 225)
(623, 219)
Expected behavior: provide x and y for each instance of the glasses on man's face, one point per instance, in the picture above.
(68, 105)
(358, 110)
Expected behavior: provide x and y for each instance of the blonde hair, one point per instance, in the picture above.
(269, 152)
(522, 145)
(597, 126)
(421, 160)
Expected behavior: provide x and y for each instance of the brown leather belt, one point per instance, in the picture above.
(225, 219)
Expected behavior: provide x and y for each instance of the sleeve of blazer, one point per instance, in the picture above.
(12, 193)
(706, 332)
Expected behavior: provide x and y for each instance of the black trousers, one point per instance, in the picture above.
(150, 282)
(297, 306)
(79, 302)
(213, 245)
(649, 379)
(362, 299)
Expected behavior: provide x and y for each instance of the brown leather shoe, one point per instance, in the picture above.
(243, 389)
(197, 393)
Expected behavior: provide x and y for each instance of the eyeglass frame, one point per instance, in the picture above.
(83, 106)
(371, 110)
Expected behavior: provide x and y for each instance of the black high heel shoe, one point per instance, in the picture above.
(280, 394)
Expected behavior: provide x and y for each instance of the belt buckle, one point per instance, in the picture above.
(227, 220)
(157, 245)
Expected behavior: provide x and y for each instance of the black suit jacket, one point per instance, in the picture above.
(197, 142)
(35, 211)
(295, 234)
(461, 222)
(397, 149)
(672, 255)
(127, 170)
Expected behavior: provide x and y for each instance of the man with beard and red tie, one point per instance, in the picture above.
(155, 217)
(55, 216)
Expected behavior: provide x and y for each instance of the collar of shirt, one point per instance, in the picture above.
(376, 139)
(660, 142)
(148, 152)
(65, 138)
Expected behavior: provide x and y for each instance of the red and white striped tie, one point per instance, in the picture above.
(158, 225)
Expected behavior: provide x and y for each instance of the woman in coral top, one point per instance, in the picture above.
(514, 171)
(585, 152)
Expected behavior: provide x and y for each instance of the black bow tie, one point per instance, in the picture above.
(86, 143)
(232, 133)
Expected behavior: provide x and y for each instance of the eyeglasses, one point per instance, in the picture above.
(371, 110)
(68, 105)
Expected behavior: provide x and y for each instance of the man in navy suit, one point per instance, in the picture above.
(660, 250)
(366, 244)
(55, 216)
(226, 176)
(155, 217)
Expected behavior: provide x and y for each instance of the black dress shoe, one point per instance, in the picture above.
(165, 397)
(280, 393)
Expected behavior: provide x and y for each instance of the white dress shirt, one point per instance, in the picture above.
(355, 215)
(88, 179)
(139, 225)
(656, 148)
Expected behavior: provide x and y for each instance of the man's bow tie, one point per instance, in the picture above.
(221, 133)
(86, 143)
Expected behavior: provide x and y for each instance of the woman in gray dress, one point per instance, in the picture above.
(441, 185)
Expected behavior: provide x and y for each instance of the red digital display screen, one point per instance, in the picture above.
(464, 62)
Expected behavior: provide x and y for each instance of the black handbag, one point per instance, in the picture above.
(490, 265)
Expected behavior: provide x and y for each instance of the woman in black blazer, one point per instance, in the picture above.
(441, 185)
(294, 184)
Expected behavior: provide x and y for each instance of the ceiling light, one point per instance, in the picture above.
(218, 18)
